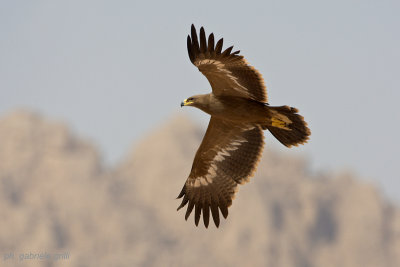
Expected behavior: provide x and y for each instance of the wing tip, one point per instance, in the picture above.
(203, 41)
(217, 205)
(200, 44)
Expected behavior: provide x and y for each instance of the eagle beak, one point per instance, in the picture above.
(186, 102)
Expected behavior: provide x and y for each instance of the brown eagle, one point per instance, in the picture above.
(234, 141)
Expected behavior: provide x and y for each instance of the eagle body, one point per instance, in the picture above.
(234, 140)
(233, 108)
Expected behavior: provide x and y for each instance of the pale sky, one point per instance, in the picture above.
(113, 70)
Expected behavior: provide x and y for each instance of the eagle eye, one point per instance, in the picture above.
(190, 99)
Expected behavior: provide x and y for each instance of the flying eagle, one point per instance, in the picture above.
(234, 141)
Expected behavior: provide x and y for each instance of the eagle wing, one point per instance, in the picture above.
(228, 73)
(227, 156)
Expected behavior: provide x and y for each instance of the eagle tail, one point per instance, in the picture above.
(287, 126)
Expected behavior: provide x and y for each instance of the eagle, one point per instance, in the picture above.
(233, 143)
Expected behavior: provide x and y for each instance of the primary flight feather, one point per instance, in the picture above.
(234, 140)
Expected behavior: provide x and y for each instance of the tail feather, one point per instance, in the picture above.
(287, 126)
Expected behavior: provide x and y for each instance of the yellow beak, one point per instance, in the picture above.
(186, 102)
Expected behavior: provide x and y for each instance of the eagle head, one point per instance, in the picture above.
(198, 101)
(188, 101)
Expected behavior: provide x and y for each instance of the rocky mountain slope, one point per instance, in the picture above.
(56, 197)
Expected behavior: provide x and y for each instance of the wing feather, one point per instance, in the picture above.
(195, 42)
(227, 52)
(221, 163)
(189, 209)
(228, 73)
(184, 201)
(211, 43)
(206, 214)
(215, 212)
(189, 48)
(203, 41)
(218, 47)
(197, 213)
(224, 210)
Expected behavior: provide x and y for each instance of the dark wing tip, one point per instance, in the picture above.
(227, 51)
(184, 201)
(195, 41)
(211, 43)
(215, 213)
(182, 193)
(189, 209)
(198, 44)
(189, 48)
(216, 205)
(206, 214)
(203, 40)
(224, 211)
(218, 46)
(197, 213)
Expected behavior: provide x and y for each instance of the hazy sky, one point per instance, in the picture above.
(113, 70)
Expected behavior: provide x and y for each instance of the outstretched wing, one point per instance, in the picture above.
(228, 73)
(227, 156)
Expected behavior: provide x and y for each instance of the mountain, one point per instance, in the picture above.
(56, 197)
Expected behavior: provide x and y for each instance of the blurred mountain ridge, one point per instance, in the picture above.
(56, 196)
